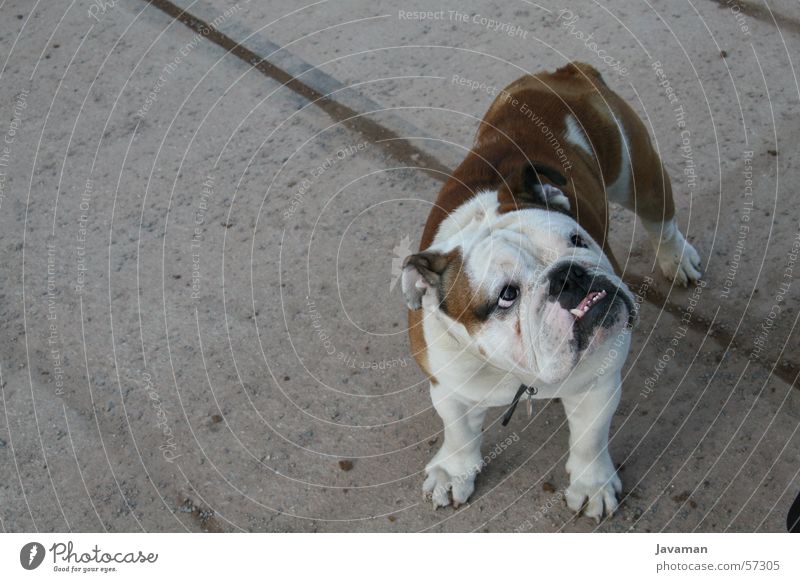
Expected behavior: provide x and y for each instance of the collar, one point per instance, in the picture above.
(530, 390)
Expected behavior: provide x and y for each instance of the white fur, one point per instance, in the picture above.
(475, 373)
(576, 136)
(593, 477)
(677, 258)
(620, 190)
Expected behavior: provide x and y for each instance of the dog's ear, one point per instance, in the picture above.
(421, 272)
(526, 188)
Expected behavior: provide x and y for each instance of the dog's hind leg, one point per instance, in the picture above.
(678, 259)
(644, 188)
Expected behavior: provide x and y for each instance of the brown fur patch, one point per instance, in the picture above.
(419, 348)
(509, 137)
(460, 299)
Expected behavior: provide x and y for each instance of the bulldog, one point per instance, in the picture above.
(515, 294)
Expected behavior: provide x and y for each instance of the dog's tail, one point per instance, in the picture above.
(582, 70)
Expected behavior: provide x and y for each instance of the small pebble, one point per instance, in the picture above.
(681, 498)
(345, 465)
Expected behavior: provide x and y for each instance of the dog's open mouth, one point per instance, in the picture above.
(587, 303)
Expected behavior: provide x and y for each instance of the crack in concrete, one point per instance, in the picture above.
(390, 140)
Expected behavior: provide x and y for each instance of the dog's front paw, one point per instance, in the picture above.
(451, 481)
(593, 488)
(680, 262)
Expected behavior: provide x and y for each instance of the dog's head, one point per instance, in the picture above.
(524, 288)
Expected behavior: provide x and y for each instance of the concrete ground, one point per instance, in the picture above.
(200, 323)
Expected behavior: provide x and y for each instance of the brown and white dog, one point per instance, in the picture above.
(514, 283)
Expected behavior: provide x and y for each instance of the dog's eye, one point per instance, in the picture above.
(508, 296)
(576, 240)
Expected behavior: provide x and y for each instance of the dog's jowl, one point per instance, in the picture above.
(514, 285)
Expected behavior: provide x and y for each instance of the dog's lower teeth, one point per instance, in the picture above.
(581, 310)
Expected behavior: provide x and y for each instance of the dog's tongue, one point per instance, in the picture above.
(587, 302)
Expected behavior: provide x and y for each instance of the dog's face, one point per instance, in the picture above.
(528, 291)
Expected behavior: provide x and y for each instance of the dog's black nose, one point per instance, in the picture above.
(569, 281)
